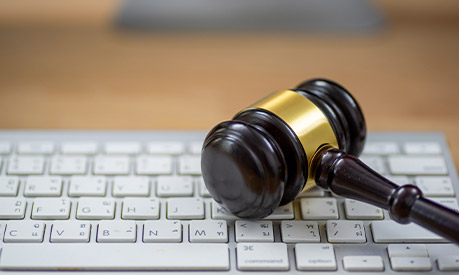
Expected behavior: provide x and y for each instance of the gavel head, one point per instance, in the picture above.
(265, 156)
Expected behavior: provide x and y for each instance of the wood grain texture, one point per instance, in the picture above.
(77, 72)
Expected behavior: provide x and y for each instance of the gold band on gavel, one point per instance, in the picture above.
(305, 119)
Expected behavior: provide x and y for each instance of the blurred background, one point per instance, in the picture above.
(187, 65)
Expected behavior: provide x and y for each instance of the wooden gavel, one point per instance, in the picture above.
(293, 140)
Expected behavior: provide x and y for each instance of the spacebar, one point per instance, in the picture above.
(114, 257)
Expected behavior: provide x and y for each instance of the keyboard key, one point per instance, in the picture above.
(381, 148)
(346, 232)
(314, 192)
(153, 165)
(162, 231)
(363, 263)
(51, 209)
(208, 231)
(399, 180)
(79, 148)
(35, 148)
(435, 186)
(300, 231)
(392, 232)
(70, 232)
(447, 202)
(174, 186)
(185, 208)
(9, 186)
(407, 250)
(422, 148)
(5, 147)
(122, 148)
(195, 148)
(284, 212)
(414, 165)
(95, 209)
(411, 264)
(12, 208)
(375, 163)
(448, 263)
(262, 256)
(68, 165)
(203, 192)
(315, 256)
(165, 148)
(111, 165)
(46, 186)
(254, 231)
(87, 186)
(131, 186)
(26, 165)
(116, 232)
(140, 209)
(125, 257)
(319, 208)
(24, 231)
(356, 210)
(189, 165)
(220, 213)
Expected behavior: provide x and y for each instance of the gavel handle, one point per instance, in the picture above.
(349, 177)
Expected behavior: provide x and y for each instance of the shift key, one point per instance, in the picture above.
(416, 165)
(392, 232)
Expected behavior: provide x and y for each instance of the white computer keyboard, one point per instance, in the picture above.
(135, 201)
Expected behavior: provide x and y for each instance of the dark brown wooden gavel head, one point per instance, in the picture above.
(296, 139)
(264, 157)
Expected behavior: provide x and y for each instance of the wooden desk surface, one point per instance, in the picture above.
(64, 68)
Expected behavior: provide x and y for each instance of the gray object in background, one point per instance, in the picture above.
(250, 15)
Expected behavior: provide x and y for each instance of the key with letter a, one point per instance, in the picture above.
(70, 232)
